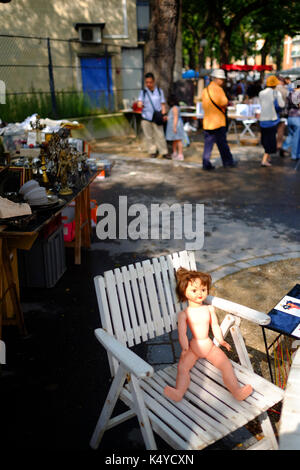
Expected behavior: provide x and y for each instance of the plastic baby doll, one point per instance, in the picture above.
(193, 286)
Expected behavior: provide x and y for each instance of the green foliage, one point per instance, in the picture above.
(231, 27)
(68, 103)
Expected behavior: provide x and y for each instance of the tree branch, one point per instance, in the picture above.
(245, 10)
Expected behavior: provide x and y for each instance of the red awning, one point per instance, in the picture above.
(247, 68)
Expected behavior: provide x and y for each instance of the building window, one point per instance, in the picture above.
(142, 19)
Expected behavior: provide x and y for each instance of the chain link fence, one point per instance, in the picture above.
(50, 77)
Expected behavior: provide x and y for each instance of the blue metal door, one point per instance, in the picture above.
(97, 81)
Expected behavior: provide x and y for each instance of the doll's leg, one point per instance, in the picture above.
(219, 359)
(186, 362)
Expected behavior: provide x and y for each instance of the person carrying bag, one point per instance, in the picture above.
(152, 102)
(157, 117)
(214, 102)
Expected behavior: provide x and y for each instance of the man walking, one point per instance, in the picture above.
(214, 103)
(152, 99)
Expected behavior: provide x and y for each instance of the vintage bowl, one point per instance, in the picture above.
(28, 186)
(35, 193)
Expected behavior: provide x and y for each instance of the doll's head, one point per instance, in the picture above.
(184, 277)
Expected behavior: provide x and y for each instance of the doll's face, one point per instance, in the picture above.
(196, 292)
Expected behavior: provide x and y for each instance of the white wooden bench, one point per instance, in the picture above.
(289, 429)
(138, 303)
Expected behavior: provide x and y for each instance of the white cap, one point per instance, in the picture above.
(218, 73)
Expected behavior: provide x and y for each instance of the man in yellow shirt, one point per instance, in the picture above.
(214, 103)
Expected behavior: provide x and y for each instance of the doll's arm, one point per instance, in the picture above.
(182, 329)
(216, 328)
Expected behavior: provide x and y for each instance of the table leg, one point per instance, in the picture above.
(86, 218)
(233, 124)
(1, 299)
(83, 224)
(11, 286)
(267, 352)
(78, 229)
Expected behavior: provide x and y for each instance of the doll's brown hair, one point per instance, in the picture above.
(184, 276)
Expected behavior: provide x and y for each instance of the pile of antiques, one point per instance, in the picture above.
(41, 171)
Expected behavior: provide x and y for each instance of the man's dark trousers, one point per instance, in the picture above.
(217, 136)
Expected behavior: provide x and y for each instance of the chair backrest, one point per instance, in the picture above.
(138, 302)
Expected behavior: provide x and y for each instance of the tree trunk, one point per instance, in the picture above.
(264, 52)
(160, 48)
(224, 39)
(279, 56)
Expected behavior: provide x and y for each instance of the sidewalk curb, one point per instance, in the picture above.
(247, 262)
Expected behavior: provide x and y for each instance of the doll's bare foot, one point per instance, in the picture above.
(173, 393)
(243, 392)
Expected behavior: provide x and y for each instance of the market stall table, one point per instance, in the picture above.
(12, 239)
(285, 320)
(134, 118)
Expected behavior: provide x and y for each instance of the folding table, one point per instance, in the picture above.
(283, 321)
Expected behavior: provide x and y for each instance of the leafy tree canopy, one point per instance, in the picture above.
(231, 27)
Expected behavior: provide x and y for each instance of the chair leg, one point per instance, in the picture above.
(142, 414)
(112, 397)
(267, 429)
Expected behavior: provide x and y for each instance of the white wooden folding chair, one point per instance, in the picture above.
(138, 303)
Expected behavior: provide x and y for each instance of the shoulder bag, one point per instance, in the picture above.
(157, 115)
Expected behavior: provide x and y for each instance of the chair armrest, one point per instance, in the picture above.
(239, 310)
(131, 361)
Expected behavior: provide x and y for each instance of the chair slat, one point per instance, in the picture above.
(265, 393)
(204, 420)
(145, 300)
(210, 404)
(171, 437)
(167, 280)
(104, 310)
(182, 409)
(192, 261)
(222, 394)
(215, 419)
(208, 369)
(138, 302)
(171, 273)
(103, 304)
(184, 259)
(116, 316)
(131, 307)
(173, 422)
(152, 296)
(172, 408)
(123, 305)
(161, 294)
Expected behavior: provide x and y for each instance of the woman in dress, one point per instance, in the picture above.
(269, 100)
(175, 131)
